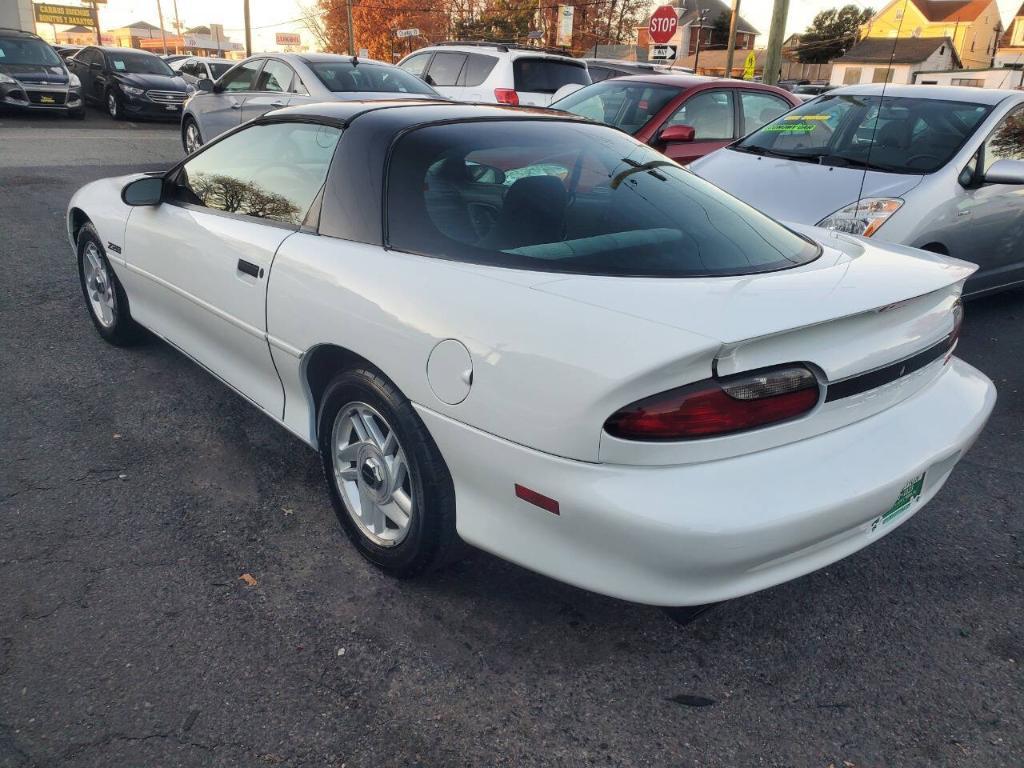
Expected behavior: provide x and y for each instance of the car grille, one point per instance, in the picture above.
(166, 97)
(46, 98)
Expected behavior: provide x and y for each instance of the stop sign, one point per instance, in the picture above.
(664, 22)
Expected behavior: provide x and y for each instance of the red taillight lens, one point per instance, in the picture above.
(719, 406)
(506, 96)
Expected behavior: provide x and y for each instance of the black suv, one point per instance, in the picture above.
(129, 82)
(33, 78)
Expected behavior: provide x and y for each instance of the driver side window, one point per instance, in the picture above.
(265, 171)
(242, 77)
(1007, 141)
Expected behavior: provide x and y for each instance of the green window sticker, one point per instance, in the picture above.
(118, 64)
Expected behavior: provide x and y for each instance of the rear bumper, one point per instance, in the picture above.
(699, 533)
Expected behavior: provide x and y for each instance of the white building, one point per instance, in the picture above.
(976, 78)
(894, 60)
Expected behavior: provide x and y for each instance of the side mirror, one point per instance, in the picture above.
(205, 85)
(1005, 172)
(148, 190)
(677, 134)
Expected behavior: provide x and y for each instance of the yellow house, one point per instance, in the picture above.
(972, 25)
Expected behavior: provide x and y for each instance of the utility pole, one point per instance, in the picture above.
(248, 28)
(163, 32)
(177, 21)
(351, 36)
(773, 57)
(95, 20)
(701, 16)
(731, 50)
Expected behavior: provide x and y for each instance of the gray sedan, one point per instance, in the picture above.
(940, 169)
(270, 81)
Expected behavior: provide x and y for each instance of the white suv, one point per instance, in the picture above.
(495, 72)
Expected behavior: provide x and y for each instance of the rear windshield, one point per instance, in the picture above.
(139, 64)
(897, 135)
(341, 76)
(626, 105)
(15, 50)
(559, 196)
(547, 75)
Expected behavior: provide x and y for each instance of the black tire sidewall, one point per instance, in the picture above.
(433, 523)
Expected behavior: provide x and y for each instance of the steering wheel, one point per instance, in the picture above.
(912, 158)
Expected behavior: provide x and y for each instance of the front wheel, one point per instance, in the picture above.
(104, 296)
(113, 105)
(389, 485)
(191, 139)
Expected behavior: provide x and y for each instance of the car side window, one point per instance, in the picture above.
(266, 171)
(415, 65)
(478, 68)
(445, 68)
(276, 77)
(1006, 141)
(242, 77)
(760, 109)
(709, 113)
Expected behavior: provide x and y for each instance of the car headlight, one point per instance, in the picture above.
(131, 90)
(7, 79)
(73, 81)
(863, 217)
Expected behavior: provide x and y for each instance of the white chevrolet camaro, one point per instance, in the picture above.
(540, 336)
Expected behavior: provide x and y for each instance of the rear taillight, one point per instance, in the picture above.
(719, 406)
(506, 96)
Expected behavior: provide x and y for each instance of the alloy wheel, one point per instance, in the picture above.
(372, 474)
(98, 286)
(112, 104)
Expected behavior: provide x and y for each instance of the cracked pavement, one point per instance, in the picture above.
(135, 490)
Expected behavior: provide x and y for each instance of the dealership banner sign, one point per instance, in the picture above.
(71, 15)
(287, 38)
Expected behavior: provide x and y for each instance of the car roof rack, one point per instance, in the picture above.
(505, 47)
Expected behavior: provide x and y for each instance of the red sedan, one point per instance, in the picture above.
(682, 116)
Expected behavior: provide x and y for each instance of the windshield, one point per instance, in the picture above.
(27, 51)
(340, 76)
(217, 69)
(901, 135)
(571, 197)
(628, 106)
(139, 64)
(547, 75)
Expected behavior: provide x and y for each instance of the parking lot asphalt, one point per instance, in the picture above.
(136, 490)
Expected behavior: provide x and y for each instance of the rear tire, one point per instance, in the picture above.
(383, 469)
(104, 296)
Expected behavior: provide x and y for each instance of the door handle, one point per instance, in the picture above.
(249, 268)
(236, 105)
(277, 103)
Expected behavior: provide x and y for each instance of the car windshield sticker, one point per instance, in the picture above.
(911, 492)
(2, 54)
(118, 64)
(797, 124)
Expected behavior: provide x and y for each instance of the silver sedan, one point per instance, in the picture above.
(271, 81)
(936, 168)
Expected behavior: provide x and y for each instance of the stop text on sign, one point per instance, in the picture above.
(663, 24)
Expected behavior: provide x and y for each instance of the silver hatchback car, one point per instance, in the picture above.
(271, 81)
(940, 169)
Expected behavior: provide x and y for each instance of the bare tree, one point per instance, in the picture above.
(311, 17)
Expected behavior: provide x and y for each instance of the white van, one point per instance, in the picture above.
(495, 73)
